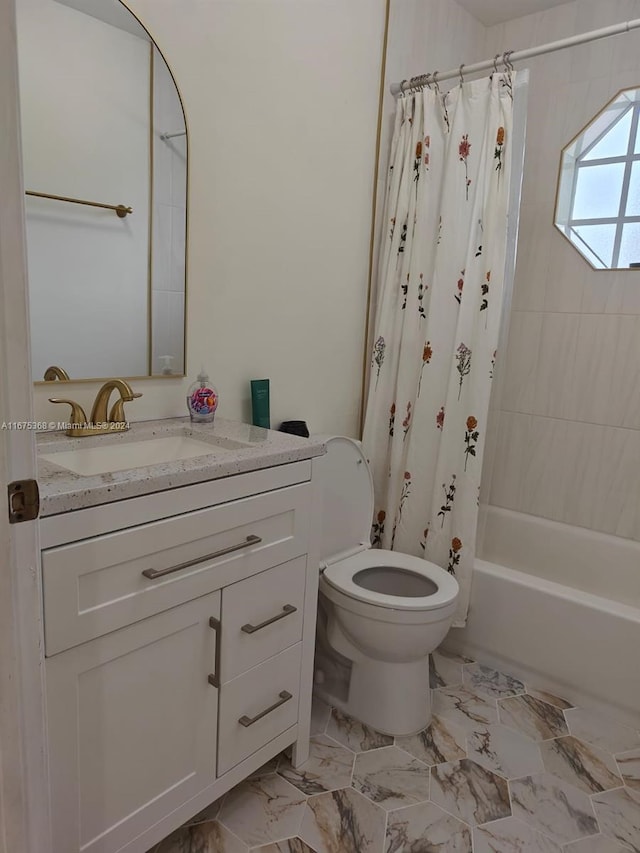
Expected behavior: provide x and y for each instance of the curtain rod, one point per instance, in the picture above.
(423, 79)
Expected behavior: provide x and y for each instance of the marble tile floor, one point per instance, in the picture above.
(503, 768)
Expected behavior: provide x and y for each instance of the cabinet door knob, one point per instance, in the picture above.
(158, 573)
(286, 610)
(249, 721)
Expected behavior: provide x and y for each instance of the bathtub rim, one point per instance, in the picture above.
(560, 590)
(568, 553)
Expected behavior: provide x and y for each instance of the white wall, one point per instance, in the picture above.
(426, 35)
(281, 98)
(423, 37)
(569, 425)
(85, 135)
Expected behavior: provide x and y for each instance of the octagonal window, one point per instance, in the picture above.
(598, 202)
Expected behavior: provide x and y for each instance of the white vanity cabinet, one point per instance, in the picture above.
(179, 631)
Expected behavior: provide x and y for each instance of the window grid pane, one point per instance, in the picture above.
(599, 238)
(630, 245)
(633, 199)
(615, 142)
(598, 190)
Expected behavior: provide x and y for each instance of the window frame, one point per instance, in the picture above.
(567, 225)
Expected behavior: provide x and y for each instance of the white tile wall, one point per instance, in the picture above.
(569, 425)
(531, 266)
(508, 468)
(169, 222)
(556, 362)
(543, 490)
(563, 290)
(521, 368)
(178, 248)
(586, 450)
(616, 494)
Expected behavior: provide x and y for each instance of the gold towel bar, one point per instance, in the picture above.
(120, 209)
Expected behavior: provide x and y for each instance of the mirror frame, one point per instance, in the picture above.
(132, 377)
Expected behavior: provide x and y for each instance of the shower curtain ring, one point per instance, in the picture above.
(508, 64)
(495, 63)
(435, 81)
(461, 74)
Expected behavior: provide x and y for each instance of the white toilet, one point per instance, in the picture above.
(381, 610)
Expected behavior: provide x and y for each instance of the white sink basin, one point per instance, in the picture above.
(135, 454)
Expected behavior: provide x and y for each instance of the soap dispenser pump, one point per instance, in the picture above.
(202, 399)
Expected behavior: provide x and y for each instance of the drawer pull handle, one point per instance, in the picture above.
(158, 573)
(286, 610)
(249, 721)
(214, 678)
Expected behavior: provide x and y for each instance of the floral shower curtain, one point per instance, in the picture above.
(441, 276)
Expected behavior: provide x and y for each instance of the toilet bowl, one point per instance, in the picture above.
(383, 611)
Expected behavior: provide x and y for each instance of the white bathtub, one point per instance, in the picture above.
(560, 607)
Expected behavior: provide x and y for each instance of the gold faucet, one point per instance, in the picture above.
(99, 423)
(116, 415)
(55, 372)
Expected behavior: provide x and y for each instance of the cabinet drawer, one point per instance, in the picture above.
(262, 616)
(101, 584)
(257, 706)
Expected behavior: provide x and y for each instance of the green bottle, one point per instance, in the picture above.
(260, 403)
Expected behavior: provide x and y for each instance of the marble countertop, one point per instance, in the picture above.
(236, 449)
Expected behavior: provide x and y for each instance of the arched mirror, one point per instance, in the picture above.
(105, 170)
(598, 203)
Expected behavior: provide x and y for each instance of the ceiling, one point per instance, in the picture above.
(490, 12)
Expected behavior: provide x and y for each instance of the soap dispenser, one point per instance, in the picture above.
(166, 360)
(202, 399)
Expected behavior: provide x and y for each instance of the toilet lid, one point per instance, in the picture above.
(347, 498)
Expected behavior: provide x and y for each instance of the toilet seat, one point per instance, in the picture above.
(340, 575)
(347, 509)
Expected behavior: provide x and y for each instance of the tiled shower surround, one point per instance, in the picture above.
(503, 768)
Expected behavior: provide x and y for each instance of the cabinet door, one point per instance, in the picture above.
(132, 727)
